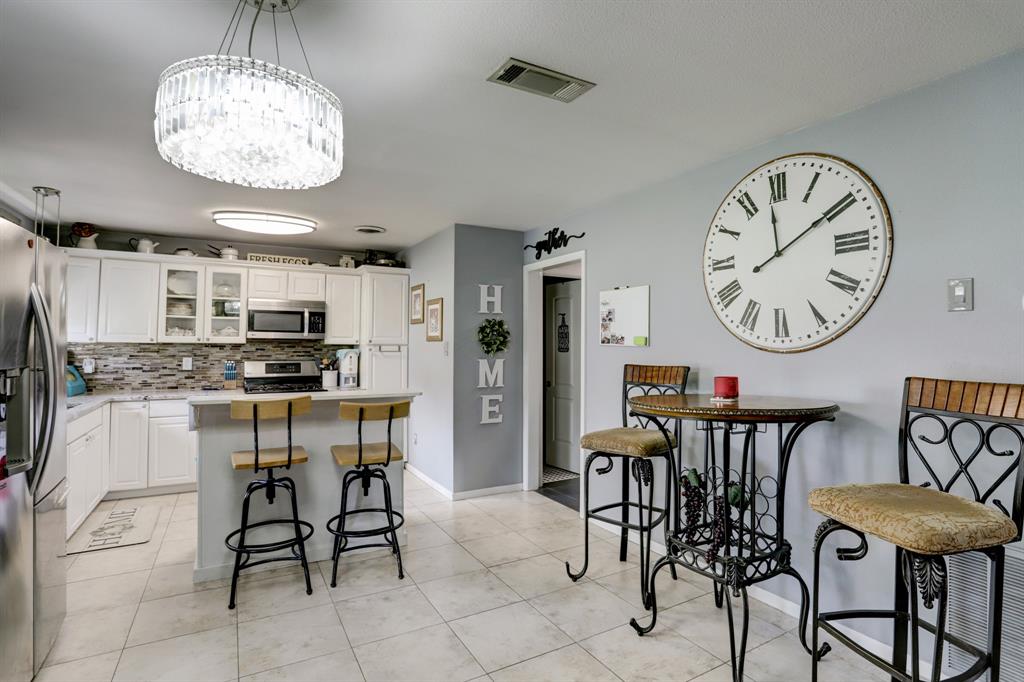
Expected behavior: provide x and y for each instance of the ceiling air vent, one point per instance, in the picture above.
(521, 75)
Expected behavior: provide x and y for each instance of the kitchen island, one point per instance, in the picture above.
(317, 481)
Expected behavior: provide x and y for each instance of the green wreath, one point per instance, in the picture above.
(493, 336)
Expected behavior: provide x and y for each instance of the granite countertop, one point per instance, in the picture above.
(81, 405)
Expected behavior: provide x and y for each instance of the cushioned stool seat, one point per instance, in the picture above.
(373, 453)
(922, 520)
(627, 441)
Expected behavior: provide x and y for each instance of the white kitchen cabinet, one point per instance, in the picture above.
(225, 306)
(385, 311)
(385, 368)
(181, 298)
(307, 286)
(172, 451)
(343, 306)
(86, 481)
(129, 295)
(83, 299)
(266, 283)
(129, 445)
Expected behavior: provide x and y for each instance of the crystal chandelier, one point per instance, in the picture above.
(246, 121)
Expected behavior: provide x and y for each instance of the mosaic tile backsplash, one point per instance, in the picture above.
(131, 367)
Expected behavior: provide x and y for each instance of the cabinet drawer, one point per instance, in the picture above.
(168, 408)
(84, 425)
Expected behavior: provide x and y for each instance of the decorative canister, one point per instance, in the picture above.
(727, 389)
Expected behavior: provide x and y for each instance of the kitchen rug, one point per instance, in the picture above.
(554, 474)
(114, 528)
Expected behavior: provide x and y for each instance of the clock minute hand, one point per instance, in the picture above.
(819, 221)
(775, 233)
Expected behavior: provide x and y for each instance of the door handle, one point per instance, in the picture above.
(41, 454)
(547, 384)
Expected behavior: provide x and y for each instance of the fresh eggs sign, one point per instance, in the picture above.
(490, 373)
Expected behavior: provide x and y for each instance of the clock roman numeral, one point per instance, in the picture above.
(810, 187)
(818, 317)
(724, 264)
(729, 293)
(777, 183)
(750, 314)
(748, 205)
(731, 233)
(842, 282)
(781, 325)
(852, 241)
(837, 208)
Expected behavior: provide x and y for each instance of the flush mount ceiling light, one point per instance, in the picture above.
(263, 223)
(369, 229)
(246, 121)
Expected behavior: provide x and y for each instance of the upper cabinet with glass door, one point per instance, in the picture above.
(181, 292)
(225, 310)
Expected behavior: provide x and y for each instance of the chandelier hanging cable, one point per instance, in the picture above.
(246, 121)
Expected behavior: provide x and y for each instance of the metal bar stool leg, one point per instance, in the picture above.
(391, 522)
(348, 478)
(289, 485)
(997, 555)
(586, 521)
(940, 627)
(624, 532)
(241, 543)
(643, 472)
(901, 604)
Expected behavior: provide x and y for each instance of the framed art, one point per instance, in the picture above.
(416, 294)
(435, 319)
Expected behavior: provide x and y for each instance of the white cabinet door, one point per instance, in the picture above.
(225, 309)
(181, 298)
(266, 283)
(343, 304)
(83, 299)
(129, 446)
(385, 309)
(172, 451)
(129, 301)
(76, 504)
(306, 286)
(95, 487)
(387, 369)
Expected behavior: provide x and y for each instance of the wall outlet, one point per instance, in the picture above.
(186, 364)
(415, 439)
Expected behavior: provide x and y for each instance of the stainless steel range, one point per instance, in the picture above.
(281, 376)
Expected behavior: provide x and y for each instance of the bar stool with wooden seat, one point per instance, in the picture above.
(634, 447)
(267, 459)
(368, 462)
(964, 434)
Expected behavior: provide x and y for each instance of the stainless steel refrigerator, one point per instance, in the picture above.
(33, 459)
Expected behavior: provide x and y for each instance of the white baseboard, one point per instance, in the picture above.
(150, 492)
(429, 481)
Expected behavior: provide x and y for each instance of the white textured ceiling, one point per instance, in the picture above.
(427, 141)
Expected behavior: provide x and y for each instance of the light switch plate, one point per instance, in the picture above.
(186, 364)
(960, 294)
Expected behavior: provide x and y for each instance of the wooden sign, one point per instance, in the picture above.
(553, 239)
(276, 260)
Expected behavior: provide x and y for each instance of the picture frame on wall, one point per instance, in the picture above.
(416, 297)
(435, 319)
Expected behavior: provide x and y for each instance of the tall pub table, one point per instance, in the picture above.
(731, 527)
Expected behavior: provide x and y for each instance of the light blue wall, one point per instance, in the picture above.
(431, 442)
(487, 455)
(949, 158)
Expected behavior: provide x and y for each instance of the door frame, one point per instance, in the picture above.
(533, 362)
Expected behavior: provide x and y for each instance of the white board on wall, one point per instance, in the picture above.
(624, 316)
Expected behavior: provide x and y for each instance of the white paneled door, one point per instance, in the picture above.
(562, 375)
(129, 301)
(83, 299)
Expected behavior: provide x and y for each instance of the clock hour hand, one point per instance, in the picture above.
(819, 221)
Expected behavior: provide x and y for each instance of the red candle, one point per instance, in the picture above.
(727, 387)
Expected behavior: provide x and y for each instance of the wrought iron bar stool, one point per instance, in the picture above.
(963, 433)
(634, 448)
(267, 459)
(369, 461)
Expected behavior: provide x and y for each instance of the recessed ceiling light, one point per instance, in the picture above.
(263, 223)
(370, 229)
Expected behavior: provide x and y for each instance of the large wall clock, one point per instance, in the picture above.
(797, 252)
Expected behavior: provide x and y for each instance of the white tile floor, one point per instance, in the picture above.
(485, 597)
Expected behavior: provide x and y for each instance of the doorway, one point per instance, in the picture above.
(554, 395)
(562, 370)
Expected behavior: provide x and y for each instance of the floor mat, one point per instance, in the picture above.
(115, 528)
(553, 474)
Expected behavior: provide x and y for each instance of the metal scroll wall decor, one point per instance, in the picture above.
(554, 239)
(491, 373)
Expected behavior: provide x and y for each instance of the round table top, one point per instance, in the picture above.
(749, 408)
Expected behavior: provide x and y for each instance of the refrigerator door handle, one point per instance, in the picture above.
(45, 442)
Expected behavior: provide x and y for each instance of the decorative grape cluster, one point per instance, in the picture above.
(693, 501)
(717, 529)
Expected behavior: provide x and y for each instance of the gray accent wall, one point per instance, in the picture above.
(431, 442)
(949, 159)
(487, 455)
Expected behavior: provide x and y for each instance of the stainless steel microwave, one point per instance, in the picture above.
(273, 319)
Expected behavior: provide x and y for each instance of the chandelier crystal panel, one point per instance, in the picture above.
(248, 122)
